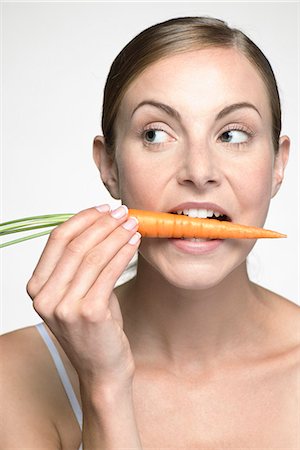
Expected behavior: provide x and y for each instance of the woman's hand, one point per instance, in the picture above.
(72, 290)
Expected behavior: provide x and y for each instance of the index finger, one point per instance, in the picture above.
(60, 237)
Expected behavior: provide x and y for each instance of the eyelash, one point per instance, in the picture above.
(155, 127)
(238, 127)
(232, 127)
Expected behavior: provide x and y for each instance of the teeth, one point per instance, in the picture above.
(194, 239)
(197, 240)
(199, 213)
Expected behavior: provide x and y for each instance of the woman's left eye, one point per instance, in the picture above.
(234, 136)
(155, 136)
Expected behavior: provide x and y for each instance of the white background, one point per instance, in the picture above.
(56, 56)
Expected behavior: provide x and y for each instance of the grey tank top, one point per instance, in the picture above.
(65, 380)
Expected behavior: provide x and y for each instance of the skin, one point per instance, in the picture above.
(195, 166)
(202, 342)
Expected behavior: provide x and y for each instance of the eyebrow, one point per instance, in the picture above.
(175, 114)
(166, 108)
(234, 107)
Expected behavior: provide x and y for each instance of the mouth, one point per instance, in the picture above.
(203, 214)
(202, 210)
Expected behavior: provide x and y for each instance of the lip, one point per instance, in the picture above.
(200, 205)
(196, 248)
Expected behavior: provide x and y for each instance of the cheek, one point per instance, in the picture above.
(138, 185)
(254, 190)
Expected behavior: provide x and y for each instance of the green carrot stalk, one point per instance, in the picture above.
(31, 223)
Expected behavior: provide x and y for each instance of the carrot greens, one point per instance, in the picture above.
(31, 223)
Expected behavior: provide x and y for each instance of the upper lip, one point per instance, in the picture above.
(200, 205)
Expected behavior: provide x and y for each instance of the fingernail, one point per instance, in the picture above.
(119, 212)
(103, 208)
(130, 223)
(135, 238)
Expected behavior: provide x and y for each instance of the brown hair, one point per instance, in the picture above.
(176, 36)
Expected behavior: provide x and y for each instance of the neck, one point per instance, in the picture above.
(188, 329)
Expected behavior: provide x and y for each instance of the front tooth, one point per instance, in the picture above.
(202, 213)
(192, 212)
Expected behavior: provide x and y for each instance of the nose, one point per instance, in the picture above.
(199, 166)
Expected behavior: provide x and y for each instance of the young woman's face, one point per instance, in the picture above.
(209, 140)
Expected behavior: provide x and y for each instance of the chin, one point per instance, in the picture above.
(199, 277)
(189, 274)
(195, 280)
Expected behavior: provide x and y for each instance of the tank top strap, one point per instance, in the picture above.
(65, 380)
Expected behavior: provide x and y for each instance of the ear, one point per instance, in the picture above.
(280, 163)
(107, 166)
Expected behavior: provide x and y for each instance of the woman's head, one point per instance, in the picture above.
(172, 37)
(190, 122)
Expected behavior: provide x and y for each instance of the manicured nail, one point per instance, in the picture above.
(119, 212)
(103, 208)
(135, 238)
(130, 223)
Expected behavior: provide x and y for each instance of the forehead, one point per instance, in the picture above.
(200, 80)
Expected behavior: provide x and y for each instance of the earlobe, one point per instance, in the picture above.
(280, 163)
(107, 166)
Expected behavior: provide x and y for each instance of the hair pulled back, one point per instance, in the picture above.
(176, 36)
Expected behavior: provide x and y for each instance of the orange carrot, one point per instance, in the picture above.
(167, 225)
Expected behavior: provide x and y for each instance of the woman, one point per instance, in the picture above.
(189, 353)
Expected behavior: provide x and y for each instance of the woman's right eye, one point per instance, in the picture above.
(156, 136)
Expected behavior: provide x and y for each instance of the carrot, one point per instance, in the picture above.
(167, 225)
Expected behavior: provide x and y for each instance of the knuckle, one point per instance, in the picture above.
(74, 247)
(93, 258)
(34, 285)
(93, 314)
(87, 213)
(87, 313)
(39, 304)
(64, 313)
(59, 234)
(85, 216)
(31, 287)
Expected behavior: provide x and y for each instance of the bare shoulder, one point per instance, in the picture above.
(284, 325)
(25, 360)
(24, 354)
(31, 395)
(287, 313)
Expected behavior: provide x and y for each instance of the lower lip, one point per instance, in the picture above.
(196, 248)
